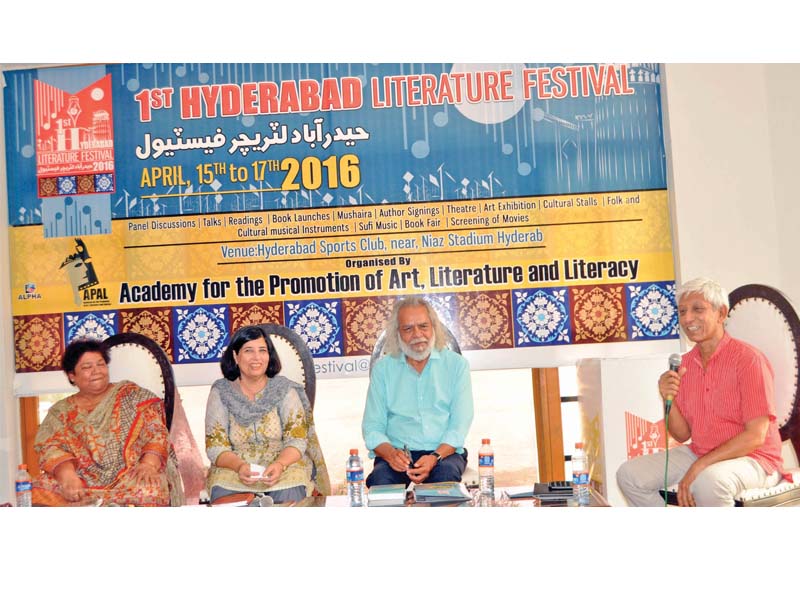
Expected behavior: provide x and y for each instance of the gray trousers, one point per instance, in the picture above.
(642, 477)
(292, 494)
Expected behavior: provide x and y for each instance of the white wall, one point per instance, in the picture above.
(608, 389)
(730, 133)
(783, 86)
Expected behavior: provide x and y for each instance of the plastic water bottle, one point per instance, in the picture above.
(486, 468)
(580, 475)
(23, 486)
(355, 478)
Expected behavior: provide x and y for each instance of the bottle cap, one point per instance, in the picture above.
(579, 444)
(486, 441)
(353, 452)
(22, 467)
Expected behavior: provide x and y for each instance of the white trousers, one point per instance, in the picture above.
(642, 477)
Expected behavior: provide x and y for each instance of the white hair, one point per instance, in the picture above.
(713, 292)
(392, 344)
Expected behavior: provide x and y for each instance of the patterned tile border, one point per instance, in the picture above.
(200, 333)
(319, 323)
(154, 323)
(485, 320)
(541, 317)
(67, 185)
(76, 185)
(598, 314)
(38, 343)
(364, 320)
(446, 306)
(533, 317)
(653, 312)
(97, 325)
(48, 186)
(255, 314)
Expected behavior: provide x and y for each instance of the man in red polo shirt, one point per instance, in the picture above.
(724, 403)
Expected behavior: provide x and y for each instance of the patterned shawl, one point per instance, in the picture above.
(110, 446)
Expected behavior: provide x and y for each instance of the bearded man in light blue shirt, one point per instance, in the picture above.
(419, 403)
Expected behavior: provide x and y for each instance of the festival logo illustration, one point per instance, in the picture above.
(83, 278)
(74, 139)
(645, 437)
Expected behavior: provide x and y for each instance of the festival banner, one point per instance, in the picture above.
(528, 202)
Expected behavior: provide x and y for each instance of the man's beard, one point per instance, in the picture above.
(413, 354)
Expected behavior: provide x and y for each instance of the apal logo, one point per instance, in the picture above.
(30, 293)
(83, 277)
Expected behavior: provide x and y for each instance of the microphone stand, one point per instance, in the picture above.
(667, 408)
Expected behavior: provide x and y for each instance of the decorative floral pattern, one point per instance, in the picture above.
(541, 316)
(364, 320)
(479, 320)
(446, 308)
(48, 186)
(85, 184)
(243, 315)
(94, 325)
(653, 312)
(201, 333)
(598, 314)
(485, 320)
(318, 323)
(37, 343)
(76, 184)
(104, 182)
(151, 322)
(67, 185)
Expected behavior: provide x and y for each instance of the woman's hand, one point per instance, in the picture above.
(247, 476)
(146, 473)
(72, 487)
(273, 472)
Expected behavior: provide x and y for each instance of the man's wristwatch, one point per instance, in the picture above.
(438, 456)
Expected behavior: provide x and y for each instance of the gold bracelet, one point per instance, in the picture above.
(283, 465)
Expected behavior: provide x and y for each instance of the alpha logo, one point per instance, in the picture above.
(30, 293)
(83, 278)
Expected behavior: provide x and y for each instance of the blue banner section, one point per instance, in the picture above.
(212, 138)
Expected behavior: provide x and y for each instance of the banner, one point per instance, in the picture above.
(527, 202)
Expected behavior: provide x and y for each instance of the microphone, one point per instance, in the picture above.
(674, 365)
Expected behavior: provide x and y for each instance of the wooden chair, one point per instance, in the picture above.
(762, 316)
(297, 363)
(137, 358)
